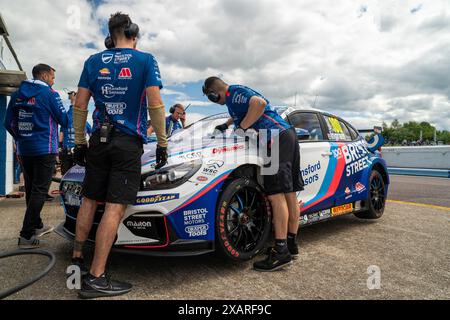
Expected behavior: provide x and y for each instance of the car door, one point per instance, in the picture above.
(315, 159)
(350, 153)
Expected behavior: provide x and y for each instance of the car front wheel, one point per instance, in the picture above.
(243, 220)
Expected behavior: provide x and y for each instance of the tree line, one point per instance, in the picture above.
(413, 133)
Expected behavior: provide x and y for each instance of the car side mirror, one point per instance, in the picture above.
(302, 134)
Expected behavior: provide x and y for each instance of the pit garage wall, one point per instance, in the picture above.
(6, 153)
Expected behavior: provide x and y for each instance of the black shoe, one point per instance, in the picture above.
(274, 261)
(79, 262)
(49, 198)
(293, 249)
(93, 287)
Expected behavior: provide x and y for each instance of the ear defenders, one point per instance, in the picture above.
(173, 109)
(131, 31)
(212, 96)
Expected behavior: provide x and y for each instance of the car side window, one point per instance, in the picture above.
(310, 122)
(353, 132)
(337, 130)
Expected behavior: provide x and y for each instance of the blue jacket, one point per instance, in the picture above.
(32, 118)
(172, 126)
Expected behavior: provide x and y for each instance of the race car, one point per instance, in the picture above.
(210, 195)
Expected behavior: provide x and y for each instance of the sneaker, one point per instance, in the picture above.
(43, 231)
(79, 262)
(32, 243)
(103, 286)
(274, 261)
(293, 249)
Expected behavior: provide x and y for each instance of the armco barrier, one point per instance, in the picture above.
(420, 172)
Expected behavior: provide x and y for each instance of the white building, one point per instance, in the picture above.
(11, 75)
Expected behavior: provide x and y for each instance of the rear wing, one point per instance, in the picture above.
(377, 141)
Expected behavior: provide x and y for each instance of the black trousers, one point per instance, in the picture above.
(38, 173)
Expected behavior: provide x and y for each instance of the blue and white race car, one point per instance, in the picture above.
(210, 196)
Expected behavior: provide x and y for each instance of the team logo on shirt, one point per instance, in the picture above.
(107, 57)
(115, 108)
(125, 73)
(109, 91)
(105, 72)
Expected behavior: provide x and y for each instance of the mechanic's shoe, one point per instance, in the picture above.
(79, 262)
(274, 261)
(32, 243)
(293, 249)
(43, 231)
(93, 287)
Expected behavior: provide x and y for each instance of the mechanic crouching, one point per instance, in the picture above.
(250, 110)
(117, 79)
(32, 118)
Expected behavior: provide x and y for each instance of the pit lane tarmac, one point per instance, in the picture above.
(409, 246)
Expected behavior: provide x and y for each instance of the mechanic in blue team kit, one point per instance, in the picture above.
(32, 118)
(175, 121)
(67, 138)
(250, 110)
(125, 83)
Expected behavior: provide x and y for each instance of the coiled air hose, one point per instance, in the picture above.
(50, 255)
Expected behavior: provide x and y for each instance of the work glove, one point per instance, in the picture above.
(222, 128)
(161, 157)
(79, 155)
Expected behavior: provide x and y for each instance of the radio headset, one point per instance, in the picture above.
(131, 31)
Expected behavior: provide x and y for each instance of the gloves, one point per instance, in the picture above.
(222, 128)
(161, 157)
(79, 155)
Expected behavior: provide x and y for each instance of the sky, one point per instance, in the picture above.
(366, 61)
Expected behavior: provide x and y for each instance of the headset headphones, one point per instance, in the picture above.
(131, 31)
(172, 109)
(212, 96)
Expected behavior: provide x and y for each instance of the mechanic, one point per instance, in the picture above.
(67, 138)
(32, 118)
(119, 79)
(250, 110)
(176, 121)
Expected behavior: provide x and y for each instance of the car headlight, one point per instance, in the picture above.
(170, 177)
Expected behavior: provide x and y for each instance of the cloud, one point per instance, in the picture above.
(378, 60)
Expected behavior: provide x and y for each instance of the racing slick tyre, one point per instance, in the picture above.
(243, 220)
(377, 198)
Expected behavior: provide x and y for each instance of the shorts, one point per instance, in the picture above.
(289, 178)
(113, 170)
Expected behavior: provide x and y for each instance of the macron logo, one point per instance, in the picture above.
(125, 73)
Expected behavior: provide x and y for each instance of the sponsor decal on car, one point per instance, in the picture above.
(191, 156)
(212, 167)
(197, 231)
(348, 191)
(141, 201)
(310, 173)
(227, 149)
(341, 210)
(202, 179)
(315, 217)
(195, 217)
(72, 187)
(360, 187)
